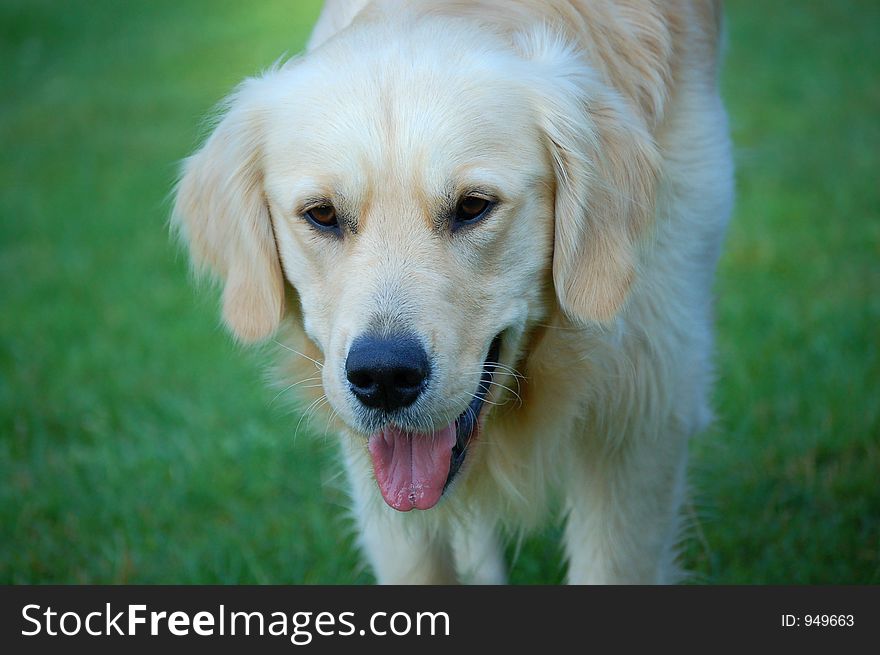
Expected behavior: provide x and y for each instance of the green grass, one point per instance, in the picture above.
(137, 444)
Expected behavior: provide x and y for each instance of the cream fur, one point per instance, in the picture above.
(599, 126)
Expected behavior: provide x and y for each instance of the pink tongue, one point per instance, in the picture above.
(412, 468)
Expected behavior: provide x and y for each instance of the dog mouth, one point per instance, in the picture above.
(413, 470)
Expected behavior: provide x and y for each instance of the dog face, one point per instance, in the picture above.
(424, 201)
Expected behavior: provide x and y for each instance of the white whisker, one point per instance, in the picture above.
(308, 409)
(501, 367)
(516, 379)
(332, 416)
(318, 364)
(506, 388)
(296, 384)
(486, 400)
(573, 328)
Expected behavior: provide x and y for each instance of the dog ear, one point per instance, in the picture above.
(221, 212)
(606, 168)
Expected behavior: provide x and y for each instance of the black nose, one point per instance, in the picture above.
(387, 373)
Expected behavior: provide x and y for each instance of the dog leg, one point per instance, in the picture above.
(479, 557)
(623, 513)
(406, 554)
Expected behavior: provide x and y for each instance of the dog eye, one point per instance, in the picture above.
(323, 217)
(470, 209)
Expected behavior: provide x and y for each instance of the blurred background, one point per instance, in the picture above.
(138, 444)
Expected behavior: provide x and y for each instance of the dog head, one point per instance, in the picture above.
(430, 194)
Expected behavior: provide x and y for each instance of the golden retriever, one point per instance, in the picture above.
(489, 228)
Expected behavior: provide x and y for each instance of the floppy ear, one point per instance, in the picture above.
(606, 167)
(221, 212)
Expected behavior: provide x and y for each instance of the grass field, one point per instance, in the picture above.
(138, 444)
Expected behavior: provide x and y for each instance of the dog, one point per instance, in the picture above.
(487, 230)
